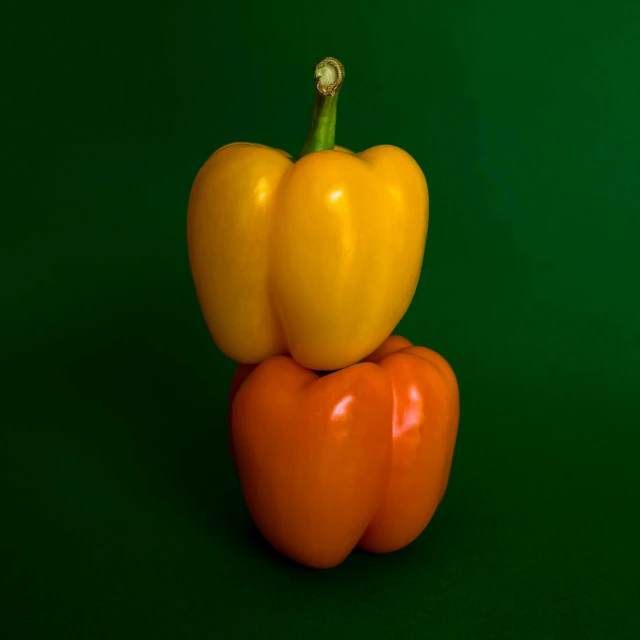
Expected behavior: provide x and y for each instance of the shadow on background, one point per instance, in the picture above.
(130, 384)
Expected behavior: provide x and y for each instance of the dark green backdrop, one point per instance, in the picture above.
(121, 516)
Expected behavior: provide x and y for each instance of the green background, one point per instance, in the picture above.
(121, 515)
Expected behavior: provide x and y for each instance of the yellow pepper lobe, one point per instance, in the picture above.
(319, 259)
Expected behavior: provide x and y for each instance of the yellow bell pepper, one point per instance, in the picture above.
(317, 256)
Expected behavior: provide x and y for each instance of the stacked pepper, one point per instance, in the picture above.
(341, 433)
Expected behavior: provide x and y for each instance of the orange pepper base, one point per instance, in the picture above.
(358, 457)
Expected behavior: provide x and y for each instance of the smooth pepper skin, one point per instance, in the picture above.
(318, 258)
(313, 455)
(359, 457)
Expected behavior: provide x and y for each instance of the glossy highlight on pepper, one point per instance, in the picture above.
(424, 427)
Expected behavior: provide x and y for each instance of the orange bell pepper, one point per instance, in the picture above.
(359, 457)
(317, 256)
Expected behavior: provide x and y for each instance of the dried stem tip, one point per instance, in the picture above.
(329, 75)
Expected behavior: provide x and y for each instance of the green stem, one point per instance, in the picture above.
(329, 76)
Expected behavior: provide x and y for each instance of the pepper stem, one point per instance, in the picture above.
(329, 76)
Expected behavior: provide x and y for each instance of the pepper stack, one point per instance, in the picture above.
(342, 434)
